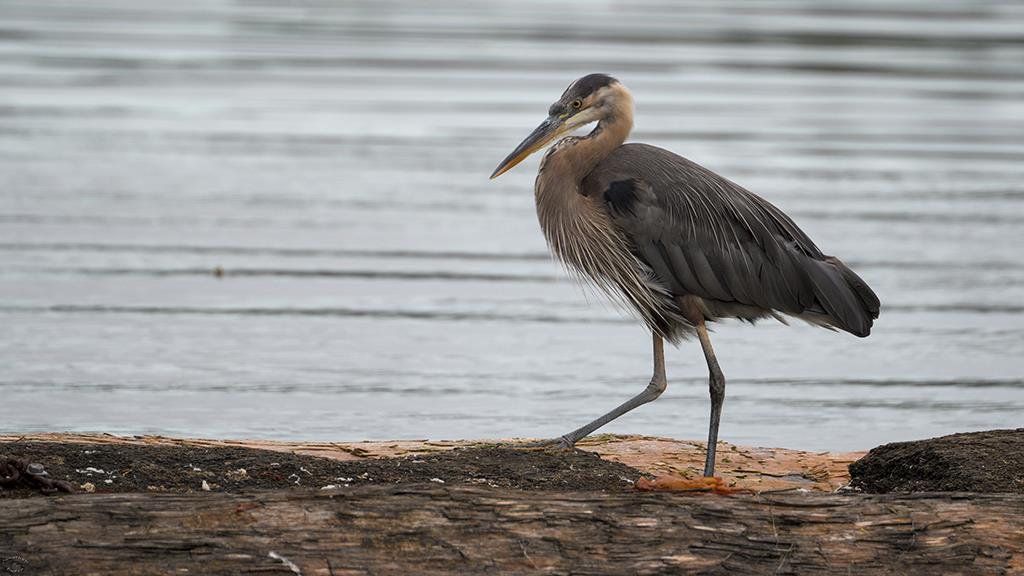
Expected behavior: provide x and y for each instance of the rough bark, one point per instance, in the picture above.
(434, 529)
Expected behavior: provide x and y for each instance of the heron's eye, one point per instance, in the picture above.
(577, 103)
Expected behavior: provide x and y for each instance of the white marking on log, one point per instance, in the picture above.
(291, 565)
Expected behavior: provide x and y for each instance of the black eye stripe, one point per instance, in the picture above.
(587, 85)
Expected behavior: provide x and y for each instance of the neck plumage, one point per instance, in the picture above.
(579, 233)
(572, 158)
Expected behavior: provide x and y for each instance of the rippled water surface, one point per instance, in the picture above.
(245, 220)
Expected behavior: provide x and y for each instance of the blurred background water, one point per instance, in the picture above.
(241, 219)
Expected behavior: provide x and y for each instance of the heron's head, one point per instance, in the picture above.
(592, 98)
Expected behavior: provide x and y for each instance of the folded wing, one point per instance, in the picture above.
(706, 236)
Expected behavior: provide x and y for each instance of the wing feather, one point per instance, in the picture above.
(704, 235)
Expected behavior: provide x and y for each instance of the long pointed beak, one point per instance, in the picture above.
(543, 134)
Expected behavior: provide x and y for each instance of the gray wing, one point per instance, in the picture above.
(706, 236)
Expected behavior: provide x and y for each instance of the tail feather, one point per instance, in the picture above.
(844, 296)
(867, 296)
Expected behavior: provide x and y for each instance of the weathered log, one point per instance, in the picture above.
(435, 529)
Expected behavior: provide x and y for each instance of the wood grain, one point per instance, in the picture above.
(429, 529)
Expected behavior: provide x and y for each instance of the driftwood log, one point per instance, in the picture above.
(434, 529)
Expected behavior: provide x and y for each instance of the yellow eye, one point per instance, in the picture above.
(577, 103)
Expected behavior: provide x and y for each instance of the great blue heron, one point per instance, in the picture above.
(676, 243)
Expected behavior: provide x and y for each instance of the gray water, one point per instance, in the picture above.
(331, 159)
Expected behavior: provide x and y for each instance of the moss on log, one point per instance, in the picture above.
(437, 529)
(989, 461)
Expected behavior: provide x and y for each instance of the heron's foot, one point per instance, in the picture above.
(560, 442)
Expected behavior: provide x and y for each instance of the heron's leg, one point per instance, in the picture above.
(653, 390)
(717, 386)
